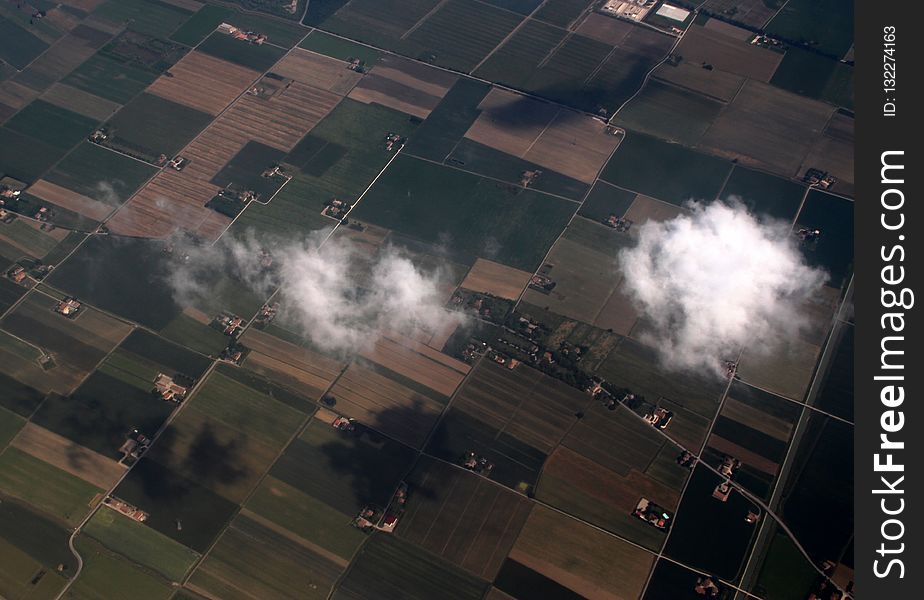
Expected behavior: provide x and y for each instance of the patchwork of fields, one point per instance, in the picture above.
(496, 142)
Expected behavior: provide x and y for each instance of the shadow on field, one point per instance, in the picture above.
(372, 461)
(206, 459)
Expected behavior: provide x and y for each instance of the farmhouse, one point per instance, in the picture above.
(634, 10)
(126, 509)
(659, 417)
(527, 177)
(136, 443)
(17, 274)
(651, 513)
(618, 223)
(229, 324)
(722, 491)
(69, 307)
(705, 586)
(478, 464)
(167, 389)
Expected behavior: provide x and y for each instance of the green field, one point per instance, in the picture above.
(107, 575)
(17, 575)
(245, 409)
(472, 217)
(668, 172)
(171, 498)
(460, 33)
(305, 516)
(189, 332)
(329, 45)
(764, 194)
(37, 243)
(45, 487)
(200, 25)
(10, 424)
(140, 544)
(359, 129)
(19, 47)
(390, 569)
(670, 113)
(100, 174)
(377, 22)
(31, 545)
(51, 124)
(256, 57)
(449, 121)
(253, 561)
(151, 125)
(345, 472)
(25, 158)
(155, 18)
(171, 356)
(834, 251)
(110, 79)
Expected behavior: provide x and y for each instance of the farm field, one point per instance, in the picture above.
(726, 53)
(589, 562)
(391, 569)
(99, 174)
(150, 125)
(495, 279)
(374, 399)
(159, 19)
(77, 345)
(83, 103)
(306, 517)
(17, 396)
(714, 84)
(110, 79)
(834, 251)
(45, 488)
(404, 85)
(762, 121)
(493, 222)
(31, 544)
(203, 82)
(294, 366)
(679, 174)
(140, 544)
(252, 560)
(250, 56)
(106, 573)
(25, 158)
(436, 138)
(526, 404)
(417, 364)
(59, 452)
(344, 471)
(799, 21)
(335, 47)
(765, 195)
(670, 113)
(833, 152)
(461, 517)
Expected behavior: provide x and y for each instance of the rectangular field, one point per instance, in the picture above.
(81, 102)
(418, 362)
(589, 562)
(290, 365)
(59, 196)
(94, 468)
(404, 85)
(496, 279)
(461, 517)
(707, 45)
(386, 405)
(203, 82)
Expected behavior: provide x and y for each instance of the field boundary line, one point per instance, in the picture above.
(423, 19)
(507, 37)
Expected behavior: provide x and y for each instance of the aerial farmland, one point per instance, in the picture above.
(341, 299)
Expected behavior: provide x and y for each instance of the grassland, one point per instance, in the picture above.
(140, 544)
(158, 19)
(150, 125)
(475, 217)
(110, 79)
(51, 124)
(390, 569)
(46, 488)
(668, 172)
(107, 575)
(255, 561)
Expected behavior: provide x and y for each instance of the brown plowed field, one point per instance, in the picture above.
(203, 82)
